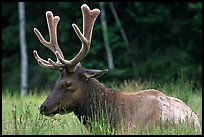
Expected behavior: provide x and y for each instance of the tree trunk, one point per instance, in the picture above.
(24, 60)
(125, 39)
(105, 36)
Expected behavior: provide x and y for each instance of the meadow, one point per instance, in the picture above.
(20, 115)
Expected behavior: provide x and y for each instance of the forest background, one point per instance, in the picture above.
(163, 42)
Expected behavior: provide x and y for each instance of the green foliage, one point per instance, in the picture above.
(165, 40)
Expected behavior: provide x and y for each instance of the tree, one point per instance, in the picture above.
(105, 36)
(122, 31)
(24, 60)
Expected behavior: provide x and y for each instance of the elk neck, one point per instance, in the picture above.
(98, 100)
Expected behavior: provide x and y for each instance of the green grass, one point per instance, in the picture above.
(20, 115)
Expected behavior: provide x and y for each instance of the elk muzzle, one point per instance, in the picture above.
(42, 110)
(45, 111)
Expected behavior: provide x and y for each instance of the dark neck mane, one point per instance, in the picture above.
(98, 99)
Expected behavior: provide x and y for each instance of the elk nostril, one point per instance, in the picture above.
(42, 110)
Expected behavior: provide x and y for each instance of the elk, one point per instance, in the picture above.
(79, 91)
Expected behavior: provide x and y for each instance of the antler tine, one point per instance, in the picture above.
(89, 17)
(52, 44)
(43, 63)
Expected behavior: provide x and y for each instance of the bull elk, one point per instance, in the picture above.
(78, 90)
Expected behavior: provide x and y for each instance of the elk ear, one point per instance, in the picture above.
(91, 73)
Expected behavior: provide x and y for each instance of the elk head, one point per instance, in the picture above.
(68, 89)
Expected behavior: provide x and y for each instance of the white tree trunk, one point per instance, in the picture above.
(105, 36)
(24, 60)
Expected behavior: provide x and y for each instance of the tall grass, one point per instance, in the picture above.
(20, 115)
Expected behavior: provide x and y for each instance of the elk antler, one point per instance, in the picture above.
(89, 17)
(52, 44)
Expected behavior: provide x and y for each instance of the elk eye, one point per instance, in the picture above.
(68, 84)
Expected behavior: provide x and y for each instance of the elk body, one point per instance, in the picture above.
(78, 90)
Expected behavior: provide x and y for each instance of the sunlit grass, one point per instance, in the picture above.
(20, 115)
